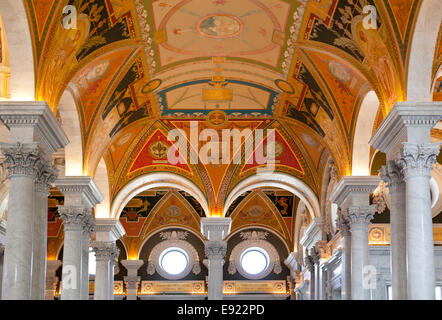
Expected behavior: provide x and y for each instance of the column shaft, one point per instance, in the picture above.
(215, 252)
(105, 253)
(416, 162)
(17, 273)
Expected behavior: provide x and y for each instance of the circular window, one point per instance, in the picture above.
(174, 261)
(254, 261)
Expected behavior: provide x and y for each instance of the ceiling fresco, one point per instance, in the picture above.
(140, 68)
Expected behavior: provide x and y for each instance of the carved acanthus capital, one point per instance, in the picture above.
(323, 249)
(309, 263)
(215, 250)
(22, 159)
(360, 216)
(380, 197)
(343, 225)
(416, 160)
(391, 174)
(46, 176)
(105, 250)
(74, 217)
(88, 225)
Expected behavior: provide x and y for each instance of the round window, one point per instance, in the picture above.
(254, 260)
(174, 261)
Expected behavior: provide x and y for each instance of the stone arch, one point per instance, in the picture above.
(276, 180)
(156, 180)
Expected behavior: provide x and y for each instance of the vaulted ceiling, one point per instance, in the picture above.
(139, 68)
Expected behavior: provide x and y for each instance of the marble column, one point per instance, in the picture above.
(352, 195)
(292, 264)
(394, 179)
(316, 269)
(416, 163)
(107, 232)
(86, 236)
(34, 135)
(105, 253)
(310, 265)
(405, 137)
(80, 196)
(51, 278)
(215, 230)
(43, 184)
(344, 228)
(359, 221)
(132, 279)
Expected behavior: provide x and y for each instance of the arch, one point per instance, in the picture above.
(156, 180)
(420, 63)
(21, 57)
(71, 126)
(276, 180)
(102, 210)
(329, 182)
(360, 165)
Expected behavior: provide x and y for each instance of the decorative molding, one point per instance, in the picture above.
(380, 195)
(404, 115)
(254, 235)
(83, 185)
(351, 185)
(174, 235)
(215, 250)
(215, 229)
(108, 229)
(36, 115)
(359, 216)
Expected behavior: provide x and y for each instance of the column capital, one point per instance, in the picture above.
(74, 217)
(417, 159)
(391, 174)
(360, 216)
(315, 255)
(105, 250)
(215, 229)
(343, 225)
(215, 249)
(88, 226)
(323, 249)
(23, 159)
(46, 177)
(309, 263)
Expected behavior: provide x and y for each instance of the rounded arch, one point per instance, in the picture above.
(156, 180)
(21, 56)
(276, 180)
(70, 124)
(420, 63)
(360, 165)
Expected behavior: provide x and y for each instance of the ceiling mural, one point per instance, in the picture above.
(140, 68)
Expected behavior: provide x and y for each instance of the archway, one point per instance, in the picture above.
(276, 180)
(156, 180)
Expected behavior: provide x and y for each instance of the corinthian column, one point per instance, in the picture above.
(344, 228)
(352, 195)
(132, 278)
(416, 162)
(107, 232)
(398, 240)
(105, 253)
(80, 196)
(215, 229)
(43, 184)
(405, 136)
(35, 135)
(88, 227)
(310, 265)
